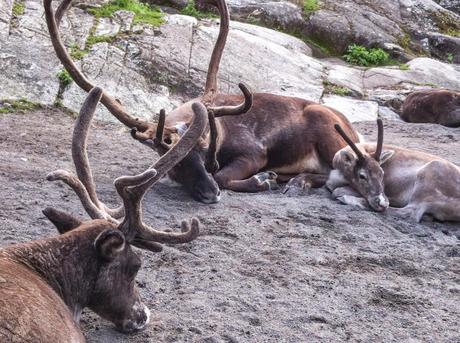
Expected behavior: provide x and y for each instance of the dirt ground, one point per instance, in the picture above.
(266, 267)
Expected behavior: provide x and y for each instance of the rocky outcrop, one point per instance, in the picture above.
(149, 68)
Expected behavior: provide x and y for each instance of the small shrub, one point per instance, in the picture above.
(192, 11)
(360, 55)
(310, 6)
(450, 57)
(18, 8)
(143, 13)
(64, 77)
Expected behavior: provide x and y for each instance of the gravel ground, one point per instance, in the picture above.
(266, 267)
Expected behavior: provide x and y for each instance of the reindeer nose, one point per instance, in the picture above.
(380, 202)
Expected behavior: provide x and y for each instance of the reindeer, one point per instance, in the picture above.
(278, 138)
(439, 106)
(413, 183)
(45, 284)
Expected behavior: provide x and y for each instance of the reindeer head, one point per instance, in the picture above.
(114, 294)
(196, 169)
(363, 170)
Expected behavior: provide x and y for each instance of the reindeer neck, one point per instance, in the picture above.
(67, 263)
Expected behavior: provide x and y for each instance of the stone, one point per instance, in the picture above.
(354, 110)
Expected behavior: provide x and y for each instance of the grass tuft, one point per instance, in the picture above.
(18, 8)
(310, 6)
(332, 88)
(21, 105)
(143, 13)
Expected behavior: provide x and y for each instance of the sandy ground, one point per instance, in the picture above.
(266, 267)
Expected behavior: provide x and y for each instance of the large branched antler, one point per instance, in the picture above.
(144, 129)
(131, 188)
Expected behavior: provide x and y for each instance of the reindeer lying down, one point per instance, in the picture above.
(413, 183)
(45, 284)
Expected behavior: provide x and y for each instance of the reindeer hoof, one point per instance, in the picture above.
(267, 178)
(296, 187)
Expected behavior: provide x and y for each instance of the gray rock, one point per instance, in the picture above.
(5, 18)
(387, 114)
(354, 110)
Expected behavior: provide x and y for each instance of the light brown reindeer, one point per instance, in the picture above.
(413, 183)
(45, 284)
(278, 139)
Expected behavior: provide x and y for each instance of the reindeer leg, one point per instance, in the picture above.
(348, 196)
(303, 182)
(236, 176)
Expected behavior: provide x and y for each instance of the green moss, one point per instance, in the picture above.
(332, 88)
(64, 78)
(450, 57)
(192, 11)
(143, 13)
(21, 105)
(360, 55)
(404, 41)
(452, 32)
(92, 39)
(76, 53)
(18, 8)
(404, 66)
(310, 6)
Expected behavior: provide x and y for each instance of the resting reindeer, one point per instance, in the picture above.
(45, 284)
(440, 106)
(277, 139)
(413, 183)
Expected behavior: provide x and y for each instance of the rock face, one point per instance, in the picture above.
(149, 68)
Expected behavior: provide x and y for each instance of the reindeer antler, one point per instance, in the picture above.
(349, 142)
(378, 150)
(53, 19)
(131, 188)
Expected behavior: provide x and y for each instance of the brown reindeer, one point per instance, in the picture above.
(277, 139)
(45, 284)
(440, 106)
(413, 183)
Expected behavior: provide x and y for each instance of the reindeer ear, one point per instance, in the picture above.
(347, 156)
(109, 244)
(63, 221)
(386, 155)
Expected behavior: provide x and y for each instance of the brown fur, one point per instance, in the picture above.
(278, 134)
(44, 285)
(415, 183)
(439, 106)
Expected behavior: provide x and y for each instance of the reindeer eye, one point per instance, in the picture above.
(362, 176)
(168, 140)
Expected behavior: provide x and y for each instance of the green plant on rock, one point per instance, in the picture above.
(310, 6)
(21, 105)
(18, 8)
(360, 55)
(64, 77)
(92, 39)
(192, 11)
(76, 53)
(143, 13)
(332, 88)
(450, 57)
(404, 66)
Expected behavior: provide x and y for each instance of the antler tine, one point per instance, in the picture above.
(244, 107)
(211, 78)
(378, 150)
(349, 142)
(133, 188)
(83, 183)
(146, 129)
(211, 164)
